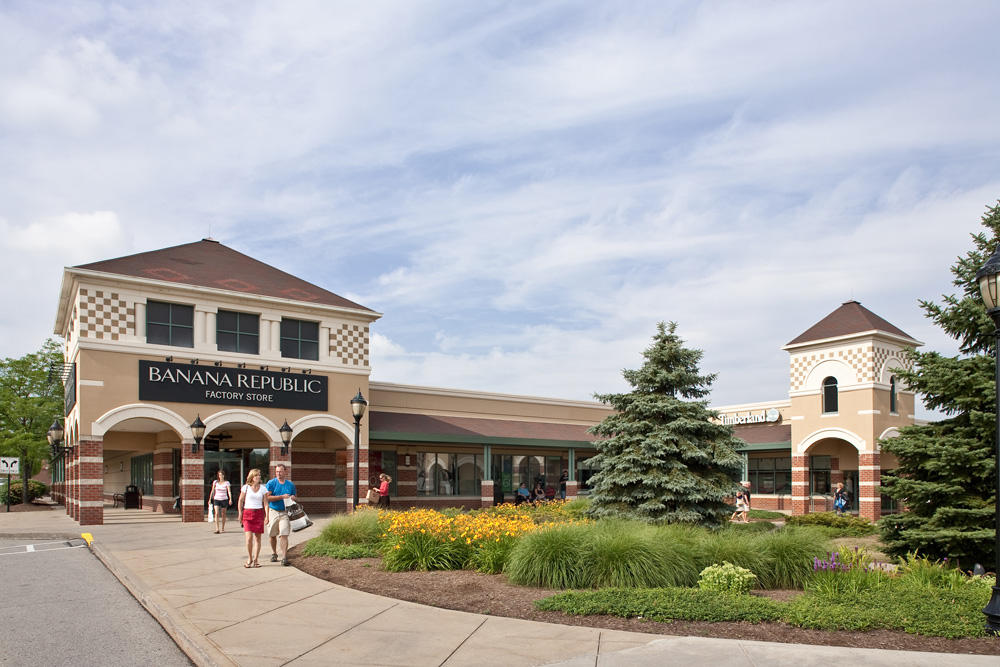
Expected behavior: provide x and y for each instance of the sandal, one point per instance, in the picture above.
(255, 564)
(216, 532)
(248, 564)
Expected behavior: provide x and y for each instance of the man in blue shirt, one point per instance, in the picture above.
(279, 527)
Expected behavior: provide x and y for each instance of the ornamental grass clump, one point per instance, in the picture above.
(550, 558)
(727, 578)
(624, 554)
(356, 528)
(834, 578)
(787, 556)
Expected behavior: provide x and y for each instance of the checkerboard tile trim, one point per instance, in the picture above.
(861, 358)
(349, 343)
(104, 315)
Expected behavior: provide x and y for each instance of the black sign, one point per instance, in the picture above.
(186, 383)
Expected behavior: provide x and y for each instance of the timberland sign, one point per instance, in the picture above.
(188, 383)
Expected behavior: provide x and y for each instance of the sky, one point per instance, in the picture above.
(524, 189)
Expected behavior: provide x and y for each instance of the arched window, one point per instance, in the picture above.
(892, 395)
(829, 395)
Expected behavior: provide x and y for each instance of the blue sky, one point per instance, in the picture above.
(524, 189)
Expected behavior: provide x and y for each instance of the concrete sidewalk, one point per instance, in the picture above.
(220, 613)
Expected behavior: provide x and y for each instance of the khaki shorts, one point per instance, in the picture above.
(279, 525)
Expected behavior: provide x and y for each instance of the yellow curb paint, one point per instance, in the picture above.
(88, 537)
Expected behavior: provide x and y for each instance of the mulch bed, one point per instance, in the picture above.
(34, 506)
(492, 594)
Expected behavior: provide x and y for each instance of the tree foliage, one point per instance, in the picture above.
(660, 457)
(29, 402)
(946, 476)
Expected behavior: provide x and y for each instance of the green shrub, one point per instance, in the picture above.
(550, 558)
(35, 490)
(735, 546)
(766, 514)
(923, 572)
(491, 557)
(664, 605)
(577, 507)
(727, 578)
(788, 555)
(842, 526)
(630, 554)
(320, 547)
(361, 527)
(422, 551)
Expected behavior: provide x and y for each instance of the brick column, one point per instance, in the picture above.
(486, 493)
(277, 457)
(572, 490)
(800, 485)
(90, 468)
(363, 473)
(163, 480)
(72, 495)
(869, 493)
(192, 483)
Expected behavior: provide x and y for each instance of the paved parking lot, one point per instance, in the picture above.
(61, 606)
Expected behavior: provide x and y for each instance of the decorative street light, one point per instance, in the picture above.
(55, 435)
(286, 437)
(358, 405)
(197, 432)
(987, 279)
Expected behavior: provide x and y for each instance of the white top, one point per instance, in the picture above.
(253, 500)
(222, 490)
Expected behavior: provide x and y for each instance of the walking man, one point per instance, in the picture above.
(279, 526)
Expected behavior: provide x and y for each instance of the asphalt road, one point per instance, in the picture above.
(61, 606)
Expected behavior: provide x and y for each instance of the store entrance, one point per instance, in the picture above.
(231, 463)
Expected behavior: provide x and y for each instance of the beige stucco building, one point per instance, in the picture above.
(155, 340)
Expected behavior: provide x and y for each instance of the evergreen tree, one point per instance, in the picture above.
(28, 404)
(660, 457)
(946, 476)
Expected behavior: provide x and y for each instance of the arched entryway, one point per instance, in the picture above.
(321, 463)
(829, 456)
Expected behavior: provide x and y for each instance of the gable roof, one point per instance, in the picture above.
(208, 263)
(850, 318)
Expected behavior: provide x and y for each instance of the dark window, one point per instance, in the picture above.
(142, 473)
(299, 339)
(770, 474)
(169, 324)
(175, 461)
(382, 462)
(819, 474)
(237, 332)
(892, 395)
(830, 395)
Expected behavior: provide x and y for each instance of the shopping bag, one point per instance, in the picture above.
(211, 511)
(296, 515)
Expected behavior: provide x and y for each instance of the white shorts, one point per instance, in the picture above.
(279, 525)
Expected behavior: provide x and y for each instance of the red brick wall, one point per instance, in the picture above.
(800, 485)
(870, 476)
(90, 467)
(192, 484)
(314, 481)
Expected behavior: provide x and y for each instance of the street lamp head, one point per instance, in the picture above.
(987, 279)
(55, 433)
(197, 432)
(286, 436)
(358, 405)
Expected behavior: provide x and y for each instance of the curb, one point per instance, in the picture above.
(188, 638)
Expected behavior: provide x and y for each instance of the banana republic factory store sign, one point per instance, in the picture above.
(186, 383)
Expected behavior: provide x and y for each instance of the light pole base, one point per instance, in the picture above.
(992, 611)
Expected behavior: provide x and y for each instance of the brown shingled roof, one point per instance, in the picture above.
(454, 429)
(850, 318)
(208, 263)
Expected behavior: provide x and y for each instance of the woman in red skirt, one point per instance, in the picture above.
(253, 499)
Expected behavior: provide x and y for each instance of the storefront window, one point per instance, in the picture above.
(584, 471)
(819, 475)
(382, 462)
(770, 474)
(142, 473)
(446, 474)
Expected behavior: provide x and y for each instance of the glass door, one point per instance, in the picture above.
(231, 463)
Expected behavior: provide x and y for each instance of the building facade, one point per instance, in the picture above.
(156, 340)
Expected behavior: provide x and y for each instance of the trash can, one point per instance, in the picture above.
(133, 499)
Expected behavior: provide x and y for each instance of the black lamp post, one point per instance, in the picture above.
(987, 278)
(197, 432)
(55, 435)
(358, 405)
(286, 437)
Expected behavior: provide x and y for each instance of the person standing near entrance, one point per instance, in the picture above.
(222, 498)
(383, 491)
(841, 499)
(253, 495)
(278, 526)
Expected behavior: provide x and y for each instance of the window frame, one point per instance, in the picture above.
(893, 399)
(298, 339)
(170, 324)
(831, 395)
(238, 333)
